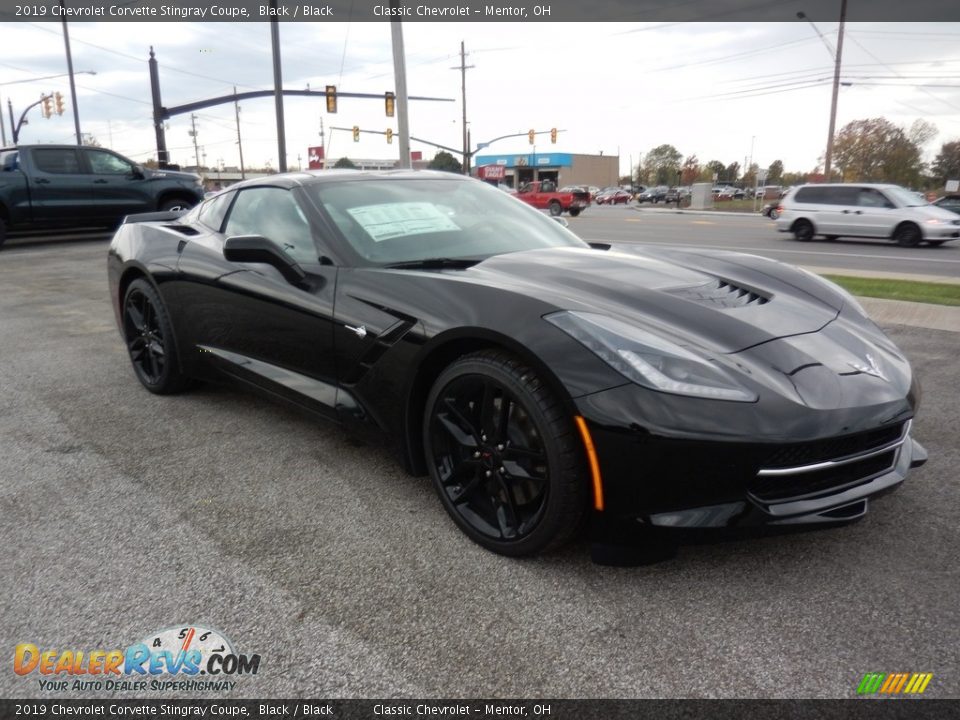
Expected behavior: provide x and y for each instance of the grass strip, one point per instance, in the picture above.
(906, 290)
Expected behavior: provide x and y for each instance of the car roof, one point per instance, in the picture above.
(299, 178)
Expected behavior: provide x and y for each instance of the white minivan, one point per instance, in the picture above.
(867, 211)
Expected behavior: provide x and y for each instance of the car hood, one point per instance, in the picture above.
(716, 302)
(934, 212)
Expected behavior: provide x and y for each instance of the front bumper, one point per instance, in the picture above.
(751, 469)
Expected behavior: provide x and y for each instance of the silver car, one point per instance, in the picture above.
(867, 211)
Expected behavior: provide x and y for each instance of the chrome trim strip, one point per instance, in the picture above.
(799, 469)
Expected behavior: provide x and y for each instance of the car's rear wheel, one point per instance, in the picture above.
(150, 342)
(574, 212)
(803, 230)
(907, 235)
(503, 455)
(555, 208)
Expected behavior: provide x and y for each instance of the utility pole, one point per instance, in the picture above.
(193, 134)
(828, 158)
(400, 79)
(323, 144)
(73, 86)
(278, 89)
(463, 67)
(236, 112)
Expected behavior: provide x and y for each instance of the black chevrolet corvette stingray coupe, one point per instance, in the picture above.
(545, 384)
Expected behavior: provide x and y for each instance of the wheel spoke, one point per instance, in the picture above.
(512, 452)
(154, 365)
(487, 408)
(459, 496)
(503, 418)
(136, 317)
(466, 438)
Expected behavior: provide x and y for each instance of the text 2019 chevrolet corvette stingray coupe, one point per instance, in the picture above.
(539, 380)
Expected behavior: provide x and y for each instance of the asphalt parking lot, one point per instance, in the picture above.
(126, 513)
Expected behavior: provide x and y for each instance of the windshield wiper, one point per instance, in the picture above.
(436, 263)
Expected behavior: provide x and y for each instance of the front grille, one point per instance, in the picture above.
(721, 293)
(832, 448)
(830, 479)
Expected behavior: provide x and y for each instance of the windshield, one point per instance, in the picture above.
(403, 220)
(904, 197)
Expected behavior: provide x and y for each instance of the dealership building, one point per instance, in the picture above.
(562, 168)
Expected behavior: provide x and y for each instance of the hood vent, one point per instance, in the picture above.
(721, 293)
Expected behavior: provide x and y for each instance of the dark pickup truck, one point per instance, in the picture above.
(46, 186)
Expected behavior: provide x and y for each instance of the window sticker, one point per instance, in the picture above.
(393, 220)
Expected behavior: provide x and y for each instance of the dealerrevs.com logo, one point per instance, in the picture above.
(178, 658)
(894, 683)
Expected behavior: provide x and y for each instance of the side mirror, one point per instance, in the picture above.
(137, 173)
(258, 249)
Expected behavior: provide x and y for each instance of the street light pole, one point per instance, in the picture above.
(400, 79)
(828, 157)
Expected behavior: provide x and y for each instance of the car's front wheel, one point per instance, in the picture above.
(150, 342)
(503, 455)
(907, 235)
(175, 204)
(555, 208)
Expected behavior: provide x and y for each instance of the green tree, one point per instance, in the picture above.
(876, 150)
(750, 176)
(715, 167)
(345, 162)
(946, 165)
(663, 164)
(445, 161)
(732, 172)
(775, 172)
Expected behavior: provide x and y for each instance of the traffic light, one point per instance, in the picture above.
(389, 100)
(553, 135)
(331, 98)
(389, 135)
(58, 102)
(356, 133)
(531, 134)
(47, 105)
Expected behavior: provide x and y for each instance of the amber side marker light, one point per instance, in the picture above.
(592, 460)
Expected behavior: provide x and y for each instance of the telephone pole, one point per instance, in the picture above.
(828, 158)
(323, 144)
(236, 111)
(463, 67)
(193, 134)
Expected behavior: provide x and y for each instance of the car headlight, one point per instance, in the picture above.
(650, 360)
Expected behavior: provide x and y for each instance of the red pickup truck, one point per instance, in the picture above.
(544, 196)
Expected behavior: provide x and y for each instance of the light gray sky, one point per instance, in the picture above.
(715, 90)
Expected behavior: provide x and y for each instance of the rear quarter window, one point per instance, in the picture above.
(827, 195)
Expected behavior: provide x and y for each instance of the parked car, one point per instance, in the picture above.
(653, 194)
(47, 186)
(614, 197)
(771, 210)
(529, 373)
(867, 211)
(948, 202)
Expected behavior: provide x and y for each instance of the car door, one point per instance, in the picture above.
(60, 190)
(834, 208)
(874, 215)
(246, 318)
(118, 188)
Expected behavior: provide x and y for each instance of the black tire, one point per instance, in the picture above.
(907, 235)
(3, 231)
(150, 340)
(504, 455)
(555, 208)
(574, 212)
(803, 230)
(175, 204)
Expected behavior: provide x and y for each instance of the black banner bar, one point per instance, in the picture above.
(854, 709)
(477, 11)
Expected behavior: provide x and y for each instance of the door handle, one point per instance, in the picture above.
(100, 182)
(845, 212)
(858, 212)
(41, 181)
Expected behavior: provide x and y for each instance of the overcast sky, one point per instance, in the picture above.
(716, 90)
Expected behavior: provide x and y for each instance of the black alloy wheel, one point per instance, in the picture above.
(907, 235)
(149, 337)
(803, 230)
(504, 456)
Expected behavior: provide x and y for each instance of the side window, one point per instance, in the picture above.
(809, 195)
(105, 163)
(868, 197)
(274, 214)
(842, 195)
(213, 210)
(62, 161)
